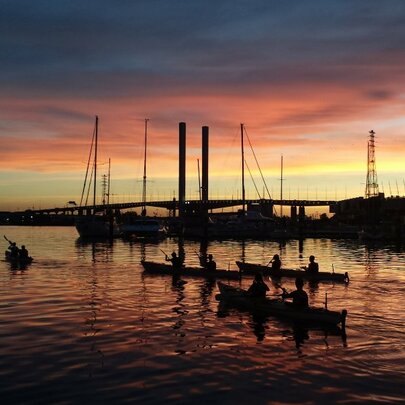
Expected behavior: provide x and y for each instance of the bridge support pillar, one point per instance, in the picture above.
(204, 183)
(182, 167)
(293, 212)
(301, 212)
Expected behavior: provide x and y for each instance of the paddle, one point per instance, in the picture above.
(201, 257)
(164, 253)
(282, 288)
(279, 295)
(8, 240)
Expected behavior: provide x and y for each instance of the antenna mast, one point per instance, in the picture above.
(104, 185)
(371, 183)
(109, 181)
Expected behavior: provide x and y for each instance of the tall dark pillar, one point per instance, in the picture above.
(204, 183)
(293, 212)
(182, 166)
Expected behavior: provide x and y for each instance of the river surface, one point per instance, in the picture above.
(82, 324)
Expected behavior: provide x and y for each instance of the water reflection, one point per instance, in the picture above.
(300, 335)
(313, 286)
(18, 268)
(206, 289)
(257, 323)
(106, 302)
(203, 252)
(143, 251)
(299, 332)
(101, 251)
(179, 309)
(91, 334)
(181, 251)
(301, 248)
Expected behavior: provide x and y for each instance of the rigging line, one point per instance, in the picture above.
(89, 185)
(253, 180)
(88, 165)
(260, 170)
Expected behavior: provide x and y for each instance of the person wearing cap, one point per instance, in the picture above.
(175, 260)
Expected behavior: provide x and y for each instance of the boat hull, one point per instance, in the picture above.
(167, 269)
(96, 227)
(251, 268)
(144, 228)
(17, 260)
(240, 299)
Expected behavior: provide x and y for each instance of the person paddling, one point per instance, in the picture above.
(258, 288)
(13, 249)
(175, 260)
(299, 296)
(312, 267)
(275, 263)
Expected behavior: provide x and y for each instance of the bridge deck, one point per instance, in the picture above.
(188, 204)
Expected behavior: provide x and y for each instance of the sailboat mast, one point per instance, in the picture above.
(95, 164)
(243, 167)
(144, 170)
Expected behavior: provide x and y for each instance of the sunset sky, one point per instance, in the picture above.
(309, 79)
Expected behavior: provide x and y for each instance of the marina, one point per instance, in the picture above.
(202, 203)
(83, 323)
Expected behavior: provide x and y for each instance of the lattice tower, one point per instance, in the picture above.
(371, 182)
(104, 185)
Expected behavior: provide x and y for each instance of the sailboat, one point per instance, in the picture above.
(143, 226)
(99, 221)
(249, 222)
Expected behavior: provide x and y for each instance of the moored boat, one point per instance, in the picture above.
(98, 222)
(144, 227)
(99, 225)
(251, 268)
(167, 269)
(240, 299)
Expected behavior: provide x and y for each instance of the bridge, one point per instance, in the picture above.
(188, 206)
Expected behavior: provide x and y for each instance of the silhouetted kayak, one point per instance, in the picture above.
(17, 259)
(239, 298)
(251, 268)
(167, 269)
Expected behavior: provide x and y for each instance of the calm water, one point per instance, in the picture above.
(82, 324)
